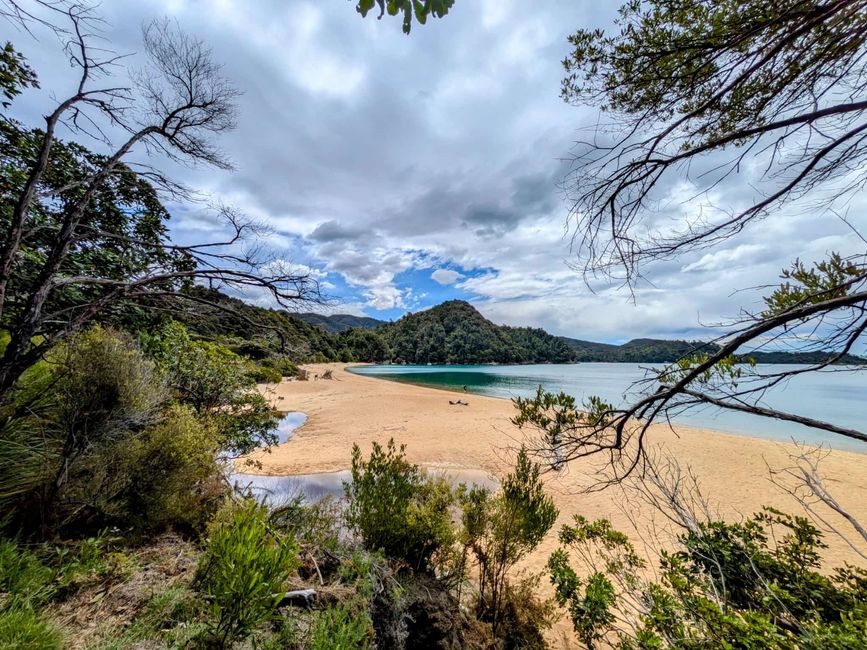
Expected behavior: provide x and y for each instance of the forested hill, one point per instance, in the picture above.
(637, 350)
(253, 331)
(455, 332)
(339, 322)
(667, 351)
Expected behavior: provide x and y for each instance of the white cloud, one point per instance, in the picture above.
(372, 153)
(727, 258)
(445, 276)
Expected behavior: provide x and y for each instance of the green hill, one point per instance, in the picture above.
(455, 332)
(637, 350)
(254, 331)
(339, 322)
(668, 351)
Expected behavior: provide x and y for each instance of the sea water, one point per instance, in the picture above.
(837, 395)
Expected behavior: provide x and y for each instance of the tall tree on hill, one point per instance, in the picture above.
(699, 91)
(84, 232)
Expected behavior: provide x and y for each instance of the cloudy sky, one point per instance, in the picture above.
(407, 170)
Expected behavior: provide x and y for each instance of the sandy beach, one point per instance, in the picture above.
(732, 469)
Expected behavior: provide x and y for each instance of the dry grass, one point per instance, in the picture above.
(104, 609)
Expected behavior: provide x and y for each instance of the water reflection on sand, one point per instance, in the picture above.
(277, 490)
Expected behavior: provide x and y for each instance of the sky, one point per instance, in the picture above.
(402, 171)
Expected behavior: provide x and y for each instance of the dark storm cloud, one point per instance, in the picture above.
(332, 231)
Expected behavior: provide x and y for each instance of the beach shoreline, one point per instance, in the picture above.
(732, 469)
(349, 367)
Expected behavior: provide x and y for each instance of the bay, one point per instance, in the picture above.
(838, 395)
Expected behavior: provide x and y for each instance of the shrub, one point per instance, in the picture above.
(755, 584)
(174, 475)
(397, 508)
(342, 627)
(524, 615)
(102, 390)
(282, 364)
(105, 386)
(215, 382)
(502, 529)
(265, 375)
(244, 569)
(165, 475)
(29, 450)
(286, 367)
(24, 629)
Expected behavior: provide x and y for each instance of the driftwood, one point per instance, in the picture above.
(327, 375)
(299, 598)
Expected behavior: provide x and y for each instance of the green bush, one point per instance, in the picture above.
(175, 478)
(215, 382)
(524, 616)
(166, 475)
(282, 364)
(755, 584)
(105, 386)
(397, 508)
(265, 375)
(24, 629)
(501, 529)
(95, 390)
(29, 448)
(25, 582)
(244, 569)
(286, 367)
(342, 627)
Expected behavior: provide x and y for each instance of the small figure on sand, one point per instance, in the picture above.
(458, 402)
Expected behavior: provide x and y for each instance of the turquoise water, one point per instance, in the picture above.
(834, 396)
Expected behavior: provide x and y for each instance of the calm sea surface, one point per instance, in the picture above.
(838, 397)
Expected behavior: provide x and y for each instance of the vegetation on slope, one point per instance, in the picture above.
(452, 332)
(339, 322)
(669, 351)
(455, 332)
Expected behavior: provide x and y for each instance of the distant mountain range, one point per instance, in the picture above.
(455, 332)
(339, 322)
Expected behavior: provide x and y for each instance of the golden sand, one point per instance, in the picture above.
(732, 469)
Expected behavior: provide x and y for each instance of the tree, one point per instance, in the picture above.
(397, 508)
(760, 582)
(501, 530)
(693, 81)
(66, 210)
(697, 90)
(216, 382)
(420, 9)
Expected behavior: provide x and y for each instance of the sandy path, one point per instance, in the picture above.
(351, 408)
